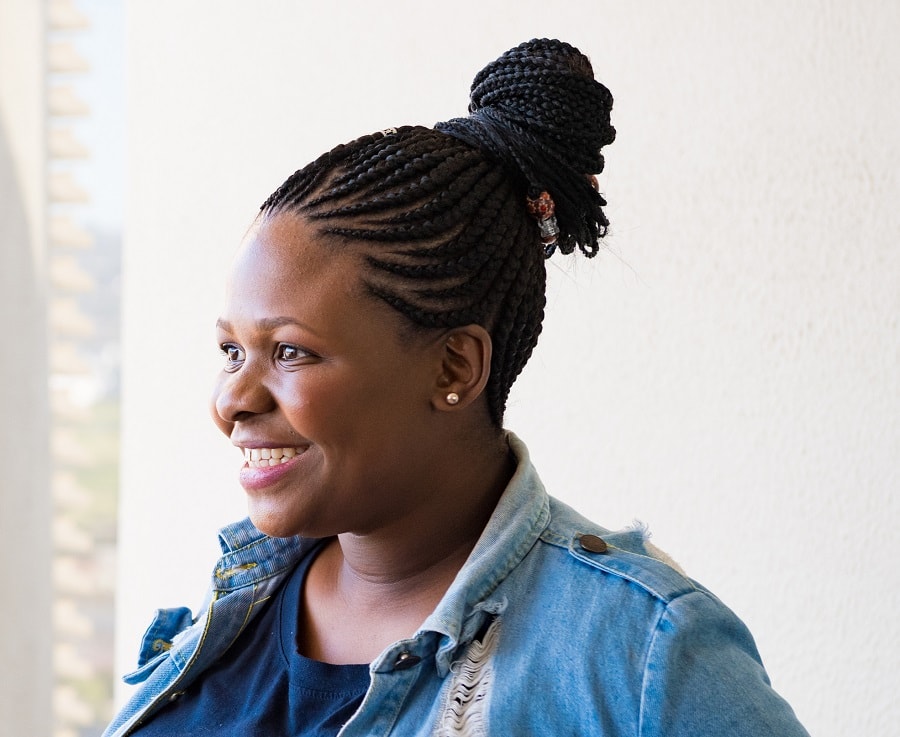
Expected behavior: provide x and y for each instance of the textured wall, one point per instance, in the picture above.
(726, 371)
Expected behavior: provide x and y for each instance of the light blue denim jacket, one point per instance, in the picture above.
(541, 633)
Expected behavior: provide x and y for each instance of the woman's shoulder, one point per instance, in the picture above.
(618, 623)
(573, 549)
(594, 554)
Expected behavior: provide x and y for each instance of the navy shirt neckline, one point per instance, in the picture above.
(306, 673)
(262, 686)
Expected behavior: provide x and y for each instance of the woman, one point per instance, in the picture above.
(403, 570)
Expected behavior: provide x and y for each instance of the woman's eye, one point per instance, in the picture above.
(287, 352)
(233, 354)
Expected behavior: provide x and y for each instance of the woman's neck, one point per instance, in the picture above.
(365, 591)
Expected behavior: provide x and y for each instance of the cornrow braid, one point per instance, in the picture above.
(440, 213)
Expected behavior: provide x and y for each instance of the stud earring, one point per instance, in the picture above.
(452, 398)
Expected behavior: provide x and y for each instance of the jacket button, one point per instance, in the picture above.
(592, 544)
(406, 660)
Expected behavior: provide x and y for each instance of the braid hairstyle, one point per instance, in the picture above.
(441, 213)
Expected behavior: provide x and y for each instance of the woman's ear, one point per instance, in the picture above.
(465, 367)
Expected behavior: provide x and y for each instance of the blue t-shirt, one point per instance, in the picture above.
(262, 686)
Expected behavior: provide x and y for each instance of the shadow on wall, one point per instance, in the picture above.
(14, 238)
(18, 292)
(24, 497)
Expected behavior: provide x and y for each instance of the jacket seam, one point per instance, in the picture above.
(645, 675)
(247, 617)
(557, 540)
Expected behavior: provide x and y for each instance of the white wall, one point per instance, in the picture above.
(727, 371)
(25, 507)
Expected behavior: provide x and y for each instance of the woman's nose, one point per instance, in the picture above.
(240, 395)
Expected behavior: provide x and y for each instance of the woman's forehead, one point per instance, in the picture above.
(284, 268)
(287, 247)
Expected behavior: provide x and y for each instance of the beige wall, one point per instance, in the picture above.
(25, 621)
(726, 372)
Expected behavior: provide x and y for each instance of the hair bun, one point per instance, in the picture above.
(539, 110)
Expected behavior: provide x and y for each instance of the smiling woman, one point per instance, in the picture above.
(403, 571)
(315, 363)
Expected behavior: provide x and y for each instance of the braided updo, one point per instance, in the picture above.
(441, 213)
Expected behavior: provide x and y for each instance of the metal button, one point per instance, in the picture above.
(592, 543)
(406, 660)
(175, 695)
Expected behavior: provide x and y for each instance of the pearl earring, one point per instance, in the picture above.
(452, 398)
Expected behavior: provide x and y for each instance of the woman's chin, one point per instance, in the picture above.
(270, 522)
(275, 523)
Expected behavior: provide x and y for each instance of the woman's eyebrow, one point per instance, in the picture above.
(267, 324)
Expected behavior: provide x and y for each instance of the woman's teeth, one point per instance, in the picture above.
(264, 457)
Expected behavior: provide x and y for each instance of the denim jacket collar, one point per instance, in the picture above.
(520, 517)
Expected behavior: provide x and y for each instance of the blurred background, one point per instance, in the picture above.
(61, 182)
(726, 370)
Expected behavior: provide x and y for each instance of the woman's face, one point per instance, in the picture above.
(318, 377)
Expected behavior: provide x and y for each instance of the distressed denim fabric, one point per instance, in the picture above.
(541, 633)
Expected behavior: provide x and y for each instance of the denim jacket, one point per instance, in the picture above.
(554, 625)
